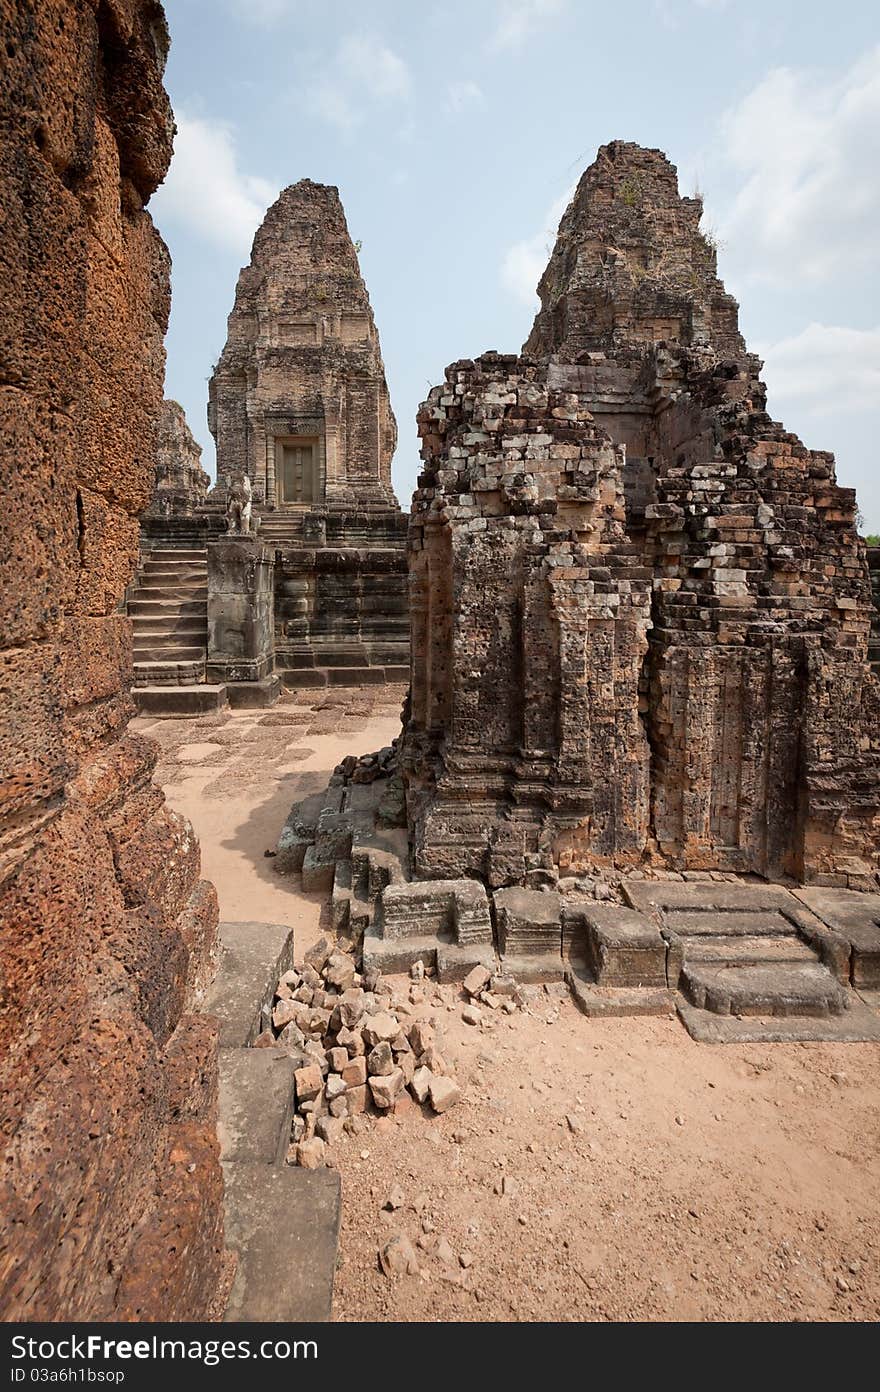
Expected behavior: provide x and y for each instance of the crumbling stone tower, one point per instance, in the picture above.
(640, 608)
(111, 1188)
(299, 402)
(181, 482)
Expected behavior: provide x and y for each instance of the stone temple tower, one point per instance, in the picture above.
(298, 398)
(299, 402)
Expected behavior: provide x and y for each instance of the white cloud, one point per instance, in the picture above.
(206, 191)
(523, 263)
(519, 19)
(364, 71)
(825, 368)
(805, 149)
(461, 95)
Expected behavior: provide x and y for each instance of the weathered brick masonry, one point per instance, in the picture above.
(640, 607)
(111, 1187)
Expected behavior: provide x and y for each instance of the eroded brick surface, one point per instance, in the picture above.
(640, 607)
(111, 1186)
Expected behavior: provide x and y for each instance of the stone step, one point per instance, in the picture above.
(747, 951)
(283, 1224)
(727, 924)
(158, 574)
(184, 593)
(189, 625)
(169, 652)
(858, 1024)
(167, 699)
(153, 642)
(256, 1104)
(784, 988)
(177, 553)
(253, 956)
(183, 674)
(172, 608)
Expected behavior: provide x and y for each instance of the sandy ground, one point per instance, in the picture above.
(595, 1169)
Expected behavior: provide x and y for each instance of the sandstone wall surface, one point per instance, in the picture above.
(111, 1186)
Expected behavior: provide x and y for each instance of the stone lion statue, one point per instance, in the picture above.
(238, 505)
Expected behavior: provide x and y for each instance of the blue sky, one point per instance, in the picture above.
(455, 132)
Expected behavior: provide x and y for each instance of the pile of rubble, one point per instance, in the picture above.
(358, 1047)
(365, 768)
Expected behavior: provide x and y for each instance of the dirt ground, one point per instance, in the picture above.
(610, 1170)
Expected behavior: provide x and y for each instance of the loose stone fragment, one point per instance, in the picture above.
(357, 1099)
(380, 1060)
(476, 980)
(444, 1093)
(308, 1083)
(445, 1252)
(316, 956)
(334, 1087)
(352, 1040)
(311, 1154)
(285, 1010)
(380, 1028)
(329, 1129)
(387, 1088)
(421, 1036)
(340, 971)
(398, 1257)
(354, 1074)
(421, 1084)
(351, 1006)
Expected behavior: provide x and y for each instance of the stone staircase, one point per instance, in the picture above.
(280, 529)
(750, 963)
(168, 606)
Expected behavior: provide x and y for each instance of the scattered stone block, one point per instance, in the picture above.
(357, 1099)
(311, 1154)
(308, 1082)
(380, 1060)
(380, 1028)
(444, 1093)
(387, 1088)
(329, 1129)
(398, 1257)
(421, 1084)
(476, 980)
(334, 1086)
(354, 1072)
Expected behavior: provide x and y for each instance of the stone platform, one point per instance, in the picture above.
(736, 957)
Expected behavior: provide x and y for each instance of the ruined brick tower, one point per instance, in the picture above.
(640, 608)
(299, 402)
